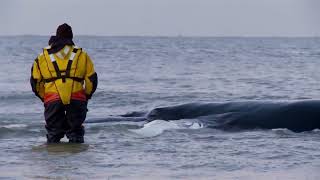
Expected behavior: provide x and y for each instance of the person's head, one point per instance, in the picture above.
(64, 31)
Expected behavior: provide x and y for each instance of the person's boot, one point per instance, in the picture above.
(76, 140)
(52, 139)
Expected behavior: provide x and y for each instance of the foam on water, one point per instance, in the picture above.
(157, 127)
(13, 126)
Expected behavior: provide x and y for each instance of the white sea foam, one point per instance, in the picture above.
(157, 127)
(11, 126)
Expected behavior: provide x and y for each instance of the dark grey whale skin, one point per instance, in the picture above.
(297, 116)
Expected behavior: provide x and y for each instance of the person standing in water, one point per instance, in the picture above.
(63, 77)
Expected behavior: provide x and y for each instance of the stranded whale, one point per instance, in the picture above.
(297, 116)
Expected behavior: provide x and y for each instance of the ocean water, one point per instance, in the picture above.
(138, 74)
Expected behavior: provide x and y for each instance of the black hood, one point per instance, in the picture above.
(58, 43)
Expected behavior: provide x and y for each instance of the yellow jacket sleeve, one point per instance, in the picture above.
(36, 82)
(91, 78)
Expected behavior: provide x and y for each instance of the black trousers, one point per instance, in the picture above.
(65, 120)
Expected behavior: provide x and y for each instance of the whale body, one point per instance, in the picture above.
(297, 116)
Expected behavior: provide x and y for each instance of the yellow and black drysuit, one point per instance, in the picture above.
(64, 81)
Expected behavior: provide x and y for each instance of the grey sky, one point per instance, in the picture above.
(163, 17)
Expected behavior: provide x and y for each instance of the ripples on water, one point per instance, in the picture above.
(138, 74)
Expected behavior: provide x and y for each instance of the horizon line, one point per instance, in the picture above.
(172, 36)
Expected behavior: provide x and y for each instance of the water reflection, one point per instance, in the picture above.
(61, 148)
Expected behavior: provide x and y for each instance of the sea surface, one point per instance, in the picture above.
(138, 74)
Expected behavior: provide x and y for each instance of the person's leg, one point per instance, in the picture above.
(55, 121)
(76, 114)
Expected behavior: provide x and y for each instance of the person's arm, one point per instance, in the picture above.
(36, 82)
(91, 78)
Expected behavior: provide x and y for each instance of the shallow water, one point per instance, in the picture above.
(139, 74)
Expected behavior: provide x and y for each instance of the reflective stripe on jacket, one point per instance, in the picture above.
(67, 74)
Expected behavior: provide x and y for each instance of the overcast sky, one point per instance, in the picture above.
(163, 17)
